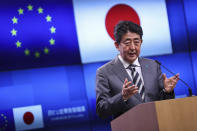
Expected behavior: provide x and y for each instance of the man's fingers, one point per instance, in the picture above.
(177, 76)
(127, 84)
(164, 76)
(125, 81)
(135, 91)
(174, 78)
(130, 89)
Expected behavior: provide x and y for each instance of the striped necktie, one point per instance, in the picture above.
(137, 80)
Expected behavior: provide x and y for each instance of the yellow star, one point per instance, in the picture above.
(30, 7)
(20, 11)
(14, 32)
(18, 44)
(15, 20)
(40, 10)
(27, 52)
(46, 50)
(52, 41)
(37, 54)
(48, 18)
(53, 29)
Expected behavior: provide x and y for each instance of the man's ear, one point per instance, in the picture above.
(116, 45)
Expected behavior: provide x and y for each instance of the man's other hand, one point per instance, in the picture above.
(170, 83)
(128, 90)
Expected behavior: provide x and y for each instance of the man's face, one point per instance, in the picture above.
(129, 46)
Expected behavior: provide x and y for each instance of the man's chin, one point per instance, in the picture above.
(131, 59)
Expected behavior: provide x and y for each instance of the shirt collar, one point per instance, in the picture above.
(126, 64)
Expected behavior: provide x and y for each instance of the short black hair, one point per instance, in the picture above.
(123, 27)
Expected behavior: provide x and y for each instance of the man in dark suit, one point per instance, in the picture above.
(129, 80)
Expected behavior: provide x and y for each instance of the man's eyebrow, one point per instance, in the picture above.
(136, 38)
(128, 39)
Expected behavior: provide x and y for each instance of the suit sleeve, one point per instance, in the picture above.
(107, 104)
(163, 95)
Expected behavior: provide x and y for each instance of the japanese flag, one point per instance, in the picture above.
(29, 117)
(95, 21)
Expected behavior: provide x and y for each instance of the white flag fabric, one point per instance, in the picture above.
(27, 118)
(96, 44)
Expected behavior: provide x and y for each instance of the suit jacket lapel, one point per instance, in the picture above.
(145, 72)
(120, 71)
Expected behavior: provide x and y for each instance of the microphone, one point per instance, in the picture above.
(189, 88)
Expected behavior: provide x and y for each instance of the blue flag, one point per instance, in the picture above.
(37, 34)
(6, 120)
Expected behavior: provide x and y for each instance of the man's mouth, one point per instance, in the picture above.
(132, 53)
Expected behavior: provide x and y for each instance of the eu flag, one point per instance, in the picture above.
(6, 120)
(37, 34)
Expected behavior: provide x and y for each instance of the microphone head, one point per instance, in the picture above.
(157, 62)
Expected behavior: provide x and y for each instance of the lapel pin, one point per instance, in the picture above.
(146, 66)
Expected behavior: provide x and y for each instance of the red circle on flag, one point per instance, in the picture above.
(117, 13)
(28, 118)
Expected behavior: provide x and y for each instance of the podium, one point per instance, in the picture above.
(166, 115)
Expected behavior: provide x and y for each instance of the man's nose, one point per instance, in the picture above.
(132, 45)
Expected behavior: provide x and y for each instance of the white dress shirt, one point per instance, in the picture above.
(137, 68)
